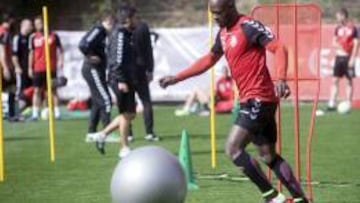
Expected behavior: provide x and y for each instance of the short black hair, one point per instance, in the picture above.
(125, 12)
(107, 14)
(38, 17)
(7, 16)
(344, 12)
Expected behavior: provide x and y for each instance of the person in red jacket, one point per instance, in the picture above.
(6, 66)
(346, 44)
(37, 65)
(224, 98)
(244, 42)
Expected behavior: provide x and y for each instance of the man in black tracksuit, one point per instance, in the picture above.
(121, 78)
(93, 46)
(20, 59)
(144, 67)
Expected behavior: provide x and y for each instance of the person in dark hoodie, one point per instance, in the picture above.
(92, 45)
(122, 77)
(144, 65)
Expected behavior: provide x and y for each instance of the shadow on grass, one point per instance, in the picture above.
(14, 139)
(242, 178)
(195, 136)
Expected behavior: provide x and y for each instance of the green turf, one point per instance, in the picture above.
(81, 175)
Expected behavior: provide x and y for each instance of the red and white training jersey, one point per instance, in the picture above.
(345, 35)
(5, 40)
(243, 45)
(37, 45)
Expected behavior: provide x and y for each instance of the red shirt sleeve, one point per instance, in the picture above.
(200, 66)
(280, 52)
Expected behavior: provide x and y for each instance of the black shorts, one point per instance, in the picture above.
(341, 66)
(23, 81)
(39, 78)
(9, 85)
(125, 101)
(259, 119)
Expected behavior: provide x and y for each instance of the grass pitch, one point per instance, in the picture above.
(81, 175)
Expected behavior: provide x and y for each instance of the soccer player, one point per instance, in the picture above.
(92, 45)
(8, 76)
(20, 59)
(244, 42)
(346, 44)
(37, 65)
(144, 66)
(122, 74)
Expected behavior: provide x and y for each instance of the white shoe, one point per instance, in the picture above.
(99, 137)
(124, 152)
(90, 137)
(152, 138)
(130, 138)
(280, 198)
(182, 112)
(204, 113)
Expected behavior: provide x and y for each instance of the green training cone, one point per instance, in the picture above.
(185, 160)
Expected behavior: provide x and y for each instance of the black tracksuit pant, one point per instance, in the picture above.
(100, 98)
(142, 89)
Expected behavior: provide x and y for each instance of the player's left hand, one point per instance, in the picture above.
(123, 87)
(167, 81)
(149, 76)
(7, 75)
(351, 72)
(282, 89)
(351, 63)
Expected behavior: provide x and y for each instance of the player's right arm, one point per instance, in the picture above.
(335, 42)
(200, 66)
(116, 53)
(87, 43)
(355, 49)
(15, 52)
(31, 56)
(3, 62)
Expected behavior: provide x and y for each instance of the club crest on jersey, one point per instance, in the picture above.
(233, 41)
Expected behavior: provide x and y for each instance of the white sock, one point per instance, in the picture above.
(57, 112)
(331, 103)
(35, 112)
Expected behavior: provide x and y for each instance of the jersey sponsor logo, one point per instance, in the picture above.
(39, 42)
(345, 32)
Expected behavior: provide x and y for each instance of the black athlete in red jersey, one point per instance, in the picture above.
(244, 41)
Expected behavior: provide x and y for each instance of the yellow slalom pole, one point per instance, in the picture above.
(2, 159)
(212, 96)
(49, 85)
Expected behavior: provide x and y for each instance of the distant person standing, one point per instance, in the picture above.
(20, 59)
(144, 67)
(6, 66)
(92, 45)
(122, 77)
(37, 65)
(346, 44)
